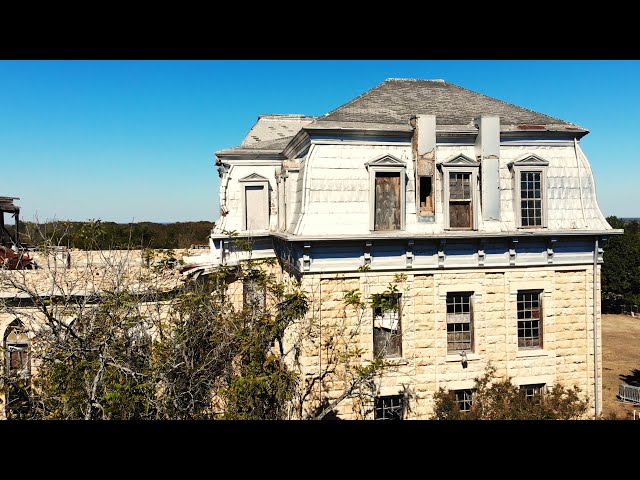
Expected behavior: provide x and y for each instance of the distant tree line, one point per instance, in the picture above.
(111, 235)
(621, 269)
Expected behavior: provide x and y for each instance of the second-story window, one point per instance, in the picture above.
(387, 201)
(387, 178)
(255, 201)
(529, 177)
(460, 201)
(460, 193)
(531, 199)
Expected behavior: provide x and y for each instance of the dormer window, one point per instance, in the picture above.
(460, 180)
(386, 193)
(529, 176)
(255, 202)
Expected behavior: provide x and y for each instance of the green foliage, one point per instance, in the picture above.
(387, 301)
(499, 399)
(621, 268)
(96, 368)
(99, 235)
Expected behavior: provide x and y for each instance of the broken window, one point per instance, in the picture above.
(459, 322)
(16, 344)
(529, 319)
(531, 199)
(387, 334)
(464, 399)
(18, 370)
(533, 392)
(425, 195)
(387, 201)
(389, 408)
(254, 292)
(460, 200)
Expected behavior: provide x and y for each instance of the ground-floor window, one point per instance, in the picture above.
(464, 399)
(390, 407)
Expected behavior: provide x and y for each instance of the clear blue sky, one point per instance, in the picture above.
(134, 140)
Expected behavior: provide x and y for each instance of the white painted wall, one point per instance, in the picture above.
(234, 193)
(329, 195)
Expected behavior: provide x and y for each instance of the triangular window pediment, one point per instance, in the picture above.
(460, 161)
(254, 177)
(386, 161)
(531, 160)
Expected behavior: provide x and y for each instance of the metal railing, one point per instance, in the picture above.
(629, 393)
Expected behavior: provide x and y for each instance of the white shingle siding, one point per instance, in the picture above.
(335, 184)
(233, 220)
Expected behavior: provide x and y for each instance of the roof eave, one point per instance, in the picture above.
(253, 154)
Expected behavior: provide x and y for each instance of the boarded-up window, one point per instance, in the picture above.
(387, 333)
(460, 200)
(16, 344)
(387, 201)
(425, 195)
(255, 208)
(18, 359)
(459, 322)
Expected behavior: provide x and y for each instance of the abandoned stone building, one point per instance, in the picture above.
(483, 214)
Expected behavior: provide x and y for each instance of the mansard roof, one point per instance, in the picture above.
(390, 105)
(395, 100)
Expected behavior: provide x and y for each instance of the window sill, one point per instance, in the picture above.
(455, 357)
(534, 353)
(396, 361)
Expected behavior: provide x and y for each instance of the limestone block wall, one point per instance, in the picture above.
(566, 356)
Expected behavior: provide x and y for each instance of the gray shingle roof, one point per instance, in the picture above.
(389, 105)
(275, 144)
(272, 127)
(396, 99)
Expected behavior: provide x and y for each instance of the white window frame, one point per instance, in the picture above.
(460, 164)
(449, 317)
(255, 180)
(529, 163)
(386, 163)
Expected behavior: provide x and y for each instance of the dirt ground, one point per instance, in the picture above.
(620, 363)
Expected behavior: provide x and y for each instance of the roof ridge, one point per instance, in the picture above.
(356, 98)
(396, 79)
(284, 115)
(513, 105)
